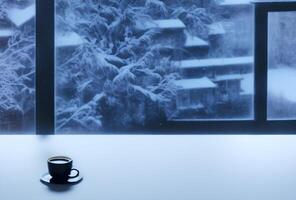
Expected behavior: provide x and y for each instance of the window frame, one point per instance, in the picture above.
(45, 81)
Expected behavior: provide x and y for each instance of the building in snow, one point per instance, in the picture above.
(197, 94)
(229, 87)
(211, 67)
(5, 34)
(195, 47)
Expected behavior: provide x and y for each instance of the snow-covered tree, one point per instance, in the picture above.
(17, 68)
(118, 77)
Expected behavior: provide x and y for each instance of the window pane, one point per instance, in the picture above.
(17, 65)
(126, 64)
(281, 66)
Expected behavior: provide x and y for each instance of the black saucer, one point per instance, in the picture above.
(47, 179)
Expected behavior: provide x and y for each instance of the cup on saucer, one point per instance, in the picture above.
(60, 171)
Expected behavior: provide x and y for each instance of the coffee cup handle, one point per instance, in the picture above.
(77, 174)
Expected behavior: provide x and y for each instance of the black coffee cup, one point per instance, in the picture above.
(60, 168)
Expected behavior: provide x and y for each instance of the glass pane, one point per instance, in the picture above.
(17, 65)
(281, 65)
(126, 64)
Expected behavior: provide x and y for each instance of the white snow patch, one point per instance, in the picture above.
(198, 106)
(68, 39)
(4, 33)
(216, 29)
(145, 92)
(282, 83)
(162, 24)
(193, 41)
(21, 16)
(228, 77)
(200, 83)
(215, 62)
(235, 2)
(247, 84)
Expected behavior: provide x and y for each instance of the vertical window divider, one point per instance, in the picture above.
(45, 59)
(260, 65)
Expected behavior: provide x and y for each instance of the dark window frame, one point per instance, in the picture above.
(45, 84)
(45, 67)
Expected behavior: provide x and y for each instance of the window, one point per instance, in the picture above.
(17, 65)
(128, 64)
(281, 65)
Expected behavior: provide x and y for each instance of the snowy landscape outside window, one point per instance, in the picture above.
(141, 63)
(281, 69)
(17, 65)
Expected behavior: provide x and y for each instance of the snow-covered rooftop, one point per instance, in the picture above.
(235, 2)
(21, 16)
(228, 77)
(193, 41)
(68, 39)
(215, 62)
(199, 83)
(163, 24)
(216, 29)
(4, 33)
